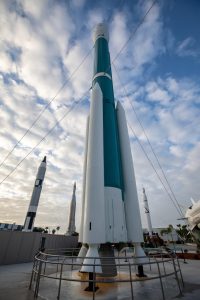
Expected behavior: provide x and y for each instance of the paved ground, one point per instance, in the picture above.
(14, 282)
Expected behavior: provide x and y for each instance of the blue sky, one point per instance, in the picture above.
(42, 43)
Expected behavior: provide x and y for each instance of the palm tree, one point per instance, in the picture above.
(57, 228)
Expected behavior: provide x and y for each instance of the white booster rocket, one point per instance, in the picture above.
(71, 226)
(110, 208)
(147, 213)
(31, 214)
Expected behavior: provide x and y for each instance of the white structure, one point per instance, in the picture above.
(71, 226)
(110, 208)
(193, 214)
(147, 213)
(32, 210)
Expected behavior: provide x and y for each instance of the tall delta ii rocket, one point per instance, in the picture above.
(110, 209)
(71, 226)
(30, 217)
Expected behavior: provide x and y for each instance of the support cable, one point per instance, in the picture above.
(46, 106)
(148, 140)
(75, 104)
(160, 179)
(122, 48)
(134, 32)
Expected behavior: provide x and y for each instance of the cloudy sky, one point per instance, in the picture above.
(42, 44)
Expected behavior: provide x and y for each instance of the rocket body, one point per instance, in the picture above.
(32, 210)
(71, 226)
(110, 204)
(147, 213)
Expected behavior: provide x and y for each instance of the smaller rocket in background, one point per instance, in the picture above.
(72, 227)
(146, 210)
(31, 214)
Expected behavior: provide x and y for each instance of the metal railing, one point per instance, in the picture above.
(159, 260)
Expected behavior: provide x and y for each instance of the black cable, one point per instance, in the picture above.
(123, 47)
(134, 32)
(45, 108)
(156, 157)
(144, 151)
(75, 104)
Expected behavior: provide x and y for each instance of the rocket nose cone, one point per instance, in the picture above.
(44, 159)
(101, 30)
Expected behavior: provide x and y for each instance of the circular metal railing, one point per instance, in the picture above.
(52, 264)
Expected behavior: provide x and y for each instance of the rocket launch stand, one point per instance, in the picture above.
(75, 285)
(92, 285)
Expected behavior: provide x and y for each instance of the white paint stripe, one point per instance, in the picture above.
(102, 74)
(27, 223)
(100, 36)
(32, 208)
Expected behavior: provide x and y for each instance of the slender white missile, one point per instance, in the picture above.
(71, 226)
(32, 210)
(147, 213)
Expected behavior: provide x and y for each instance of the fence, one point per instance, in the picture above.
(21, 247)
(160, 262)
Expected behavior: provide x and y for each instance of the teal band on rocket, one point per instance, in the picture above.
(103, 75)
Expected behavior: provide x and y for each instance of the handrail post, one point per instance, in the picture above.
(180, 271)
(93, 287)
(60, 279)
(38, 280)
(57, 265)
(161, 284)
(72, 265)
(177, 279)
(31, 280)
(35, 272)
(163, 264)
(130, 274)
(184, 261)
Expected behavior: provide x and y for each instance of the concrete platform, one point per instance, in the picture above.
(14, 282)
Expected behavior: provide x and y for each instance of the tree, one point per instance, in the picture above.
(57, 228)
(46, 229)
(38, 229)
(53, 231)
(183, 232)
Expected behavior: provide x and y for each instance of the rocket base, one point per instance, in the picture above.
(92, 285)
(141, 272)
(139, 254)
(82, 254)
(91, 263)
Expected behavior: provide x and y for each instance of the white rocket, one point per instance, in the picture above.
(71, 226)
(110, 208)
(147, 212)
(31, 214)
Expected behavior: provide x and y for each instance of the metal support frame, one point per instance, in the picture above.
(43, 260)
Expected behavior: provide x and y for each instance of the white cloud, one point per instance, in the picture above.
(187, 48)
(155, 93)
(148, 44)
(41, 45)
